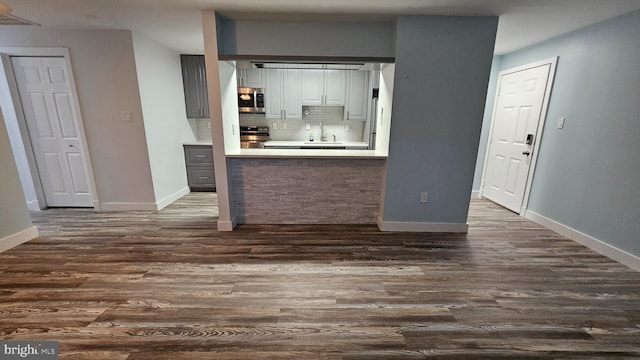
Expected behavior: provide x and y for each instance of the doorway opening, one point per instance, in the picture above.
(43, 119)
(515, 134)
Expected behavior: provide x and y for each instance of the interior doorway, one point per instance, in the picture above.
(516, 129)
(45, 128)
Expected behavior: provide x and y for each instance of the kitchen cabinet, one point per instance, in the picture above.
(194, 78)
(324, 87)
(358, 95)
(282, 94)
(200, 169)
(251, 78)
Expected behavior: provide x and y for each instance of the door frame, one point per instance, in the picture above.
(552, 62)
(7, 53)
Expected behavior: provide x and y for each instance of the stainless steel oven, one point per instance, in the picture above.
(253, 137)
(251, 101)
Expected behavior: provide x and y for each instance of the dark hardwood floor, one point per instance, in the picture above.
(167, 285)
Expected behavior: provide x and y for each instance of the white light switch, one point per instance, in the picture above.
(125, 116)
(308, 126)
(284, 126)
(561, 122)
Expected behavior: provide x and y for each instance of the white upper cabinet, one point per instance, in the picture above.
(283, 94)
(251, 78)
(324, 87)
(312, 87)
(358, 95)
(335, 87)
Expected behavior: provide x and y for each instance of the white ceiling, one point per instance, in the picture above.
(176, 23)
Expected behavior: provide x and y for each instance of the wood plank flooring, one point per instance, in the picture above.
(167, 285)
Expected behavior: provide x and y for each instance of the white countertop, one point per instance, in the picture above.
(306, 153)
(198, 142)
(304, 144)
(297, 150)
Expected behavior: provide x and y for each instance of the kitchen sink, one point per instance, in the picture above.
(322, 143)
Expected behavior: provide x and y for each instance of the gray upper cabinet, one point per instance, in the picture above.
(194, 77)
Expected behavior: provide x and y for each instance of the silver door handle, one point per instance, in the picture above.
(526, 152)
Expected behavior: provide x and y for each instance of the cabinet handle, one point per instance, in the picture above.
(285, 114)
(201, 156)
(203, 177)
(347, 114)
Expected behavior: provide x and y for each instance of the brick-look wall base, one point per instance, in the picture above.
(307, 191)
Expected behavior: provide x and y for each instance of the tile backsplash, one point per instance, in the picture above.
(327, 118)
(203, 129)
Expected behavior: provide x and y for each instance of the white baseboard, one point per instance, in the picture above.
(226, 225)
(594, 244)
(422, 226)
(475, 194)
(18, 238)
(127, 206)
(33, 205)
(171, 198)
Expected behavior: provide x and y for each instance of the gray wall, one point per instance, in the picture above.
(14, 216)
(588, 174)
(442, 73)
(309, 38)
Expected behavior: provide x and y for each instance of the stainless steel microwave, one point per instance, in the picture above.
(251, 101)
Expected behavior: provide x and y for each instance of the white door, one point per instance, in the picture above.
(49, 109)
(518, 111)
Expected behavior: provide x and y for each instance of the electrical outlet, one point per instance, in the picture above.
(561, 122)
(274, 126)
(347, 127)
(284, 125)
(308, 126)
(126, 116)
(424, 197)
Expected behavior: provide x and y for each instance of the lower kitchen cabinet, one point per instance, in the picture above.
(200, 170)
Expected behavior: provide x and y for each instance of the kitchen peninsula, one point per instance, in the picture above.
(292, 179)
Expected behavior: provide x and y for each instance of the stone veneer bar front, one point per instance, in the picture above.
(307, 190)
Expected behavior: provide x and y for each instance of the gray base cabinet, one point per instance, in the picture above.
(200, 174)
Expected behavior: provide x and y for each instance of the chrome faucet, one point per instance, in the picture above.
(334, 137)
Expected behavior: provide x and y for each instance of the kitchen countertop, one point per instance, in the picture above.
(295, 151)
(308, 144)
(198, 142)
(306, 154)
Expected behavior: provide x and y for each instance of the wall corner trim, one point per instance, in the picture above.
(592, 243)
(171, 198)
(226, 225)
(18, 238)
(475, 194)
(423, 226)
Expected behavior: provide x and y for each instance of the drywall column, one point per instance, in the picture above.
(441, 77)
(226, 213)
(15, 223)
